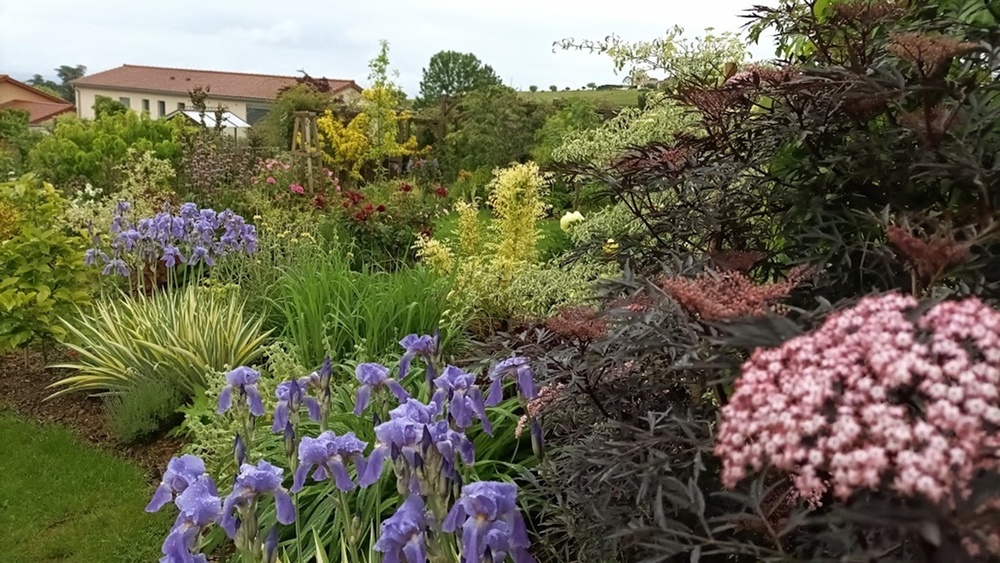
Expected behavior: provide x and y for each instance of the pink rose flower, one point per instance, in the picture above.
(297, 189)
(270, 180)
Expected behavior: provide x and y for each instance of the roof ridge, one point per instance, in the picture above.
(224, 72)
(55, 99)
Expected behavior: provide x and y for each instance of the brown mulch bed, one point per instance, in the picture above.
(24, 379)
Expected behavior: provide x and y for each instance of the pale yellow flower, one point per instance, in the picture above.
(569, 218)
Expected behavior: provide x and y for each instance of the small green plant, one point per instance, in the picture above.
(42, 275)
(147, 407)
(179, 337)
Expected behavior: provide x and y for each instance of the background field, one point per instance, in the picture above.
(609, 98)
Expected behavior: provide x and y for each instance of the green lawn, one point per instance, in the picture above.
(610, 98)
(62, 500)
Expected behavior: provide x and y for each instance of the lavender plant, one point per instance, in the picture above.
(442, 517)
(192, 236)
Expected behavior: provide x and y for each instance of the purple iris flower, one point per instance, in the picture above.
(116, 265)
(487, 513)
(128, 239)
(412, 432)
(374, 376)
(292, 395)
(328, 453)
(189, 210)
(201, 254)
(244, 381)
(199, 506)
(180, 474)
(402, 537)
(92, 255)
(424, 347)
(172, 256)
(465, 399)
(252, 482)
(517, 367)
(178, 227)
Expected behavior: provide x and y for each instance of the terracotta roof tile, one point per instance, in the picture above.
(181, 81)
(39, 111)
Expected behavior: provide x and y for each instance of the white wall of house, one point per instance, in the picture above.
(138, 101)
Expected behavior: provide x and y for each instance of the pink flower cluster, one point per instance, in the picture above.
(874, 399)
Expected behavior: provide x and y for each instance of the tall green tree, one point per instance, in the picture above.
(64, 88)
(495, 127)
(448, 76)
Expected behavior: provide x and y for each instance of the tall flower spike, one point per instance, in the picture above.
(243, 381)
(465, 399)
(252, 482)
(180, 474)
(291, 396)
(488, 516)
(329, 453)
(373, 376)
(517, 367)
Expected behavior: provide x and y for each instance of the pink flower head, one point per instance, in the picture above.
(269, 164)
(296, 188)
(874, 399)
(271, 180)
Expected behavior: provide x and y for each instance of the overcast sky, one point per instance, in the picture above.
(336, 39)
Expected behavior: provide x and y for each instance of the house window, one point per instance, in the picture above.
(145, 105)
(161, 108)
(180, 105)
(125, 101)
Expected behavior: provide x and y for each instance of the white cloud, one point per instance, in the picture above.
(336, 39)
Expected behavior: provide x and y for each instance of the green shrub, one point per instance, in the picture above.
(42, 274)
(328, 308)
(93, 150)
(148, 406)
(16, 140)
(174, 336)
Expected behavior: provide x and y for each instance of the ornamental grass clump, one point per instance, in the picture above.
(442, 515)
(882, 397)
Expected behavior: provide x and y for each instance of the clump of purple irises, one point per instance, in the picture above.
(192, 236)
(425, 445)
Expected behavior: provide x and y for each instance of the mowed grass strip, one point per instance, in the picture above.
(63, 500)
(612, 99)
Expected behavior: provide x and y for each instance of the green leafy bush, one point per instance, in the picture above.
(42, 275)
(174, 336)
(16, 140)
(93, 150)
(146, 407)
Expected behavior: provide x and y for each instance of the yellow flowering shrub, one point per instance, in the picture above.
(369, 138)
(345, 147)
(517, 198)
(497, 273)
